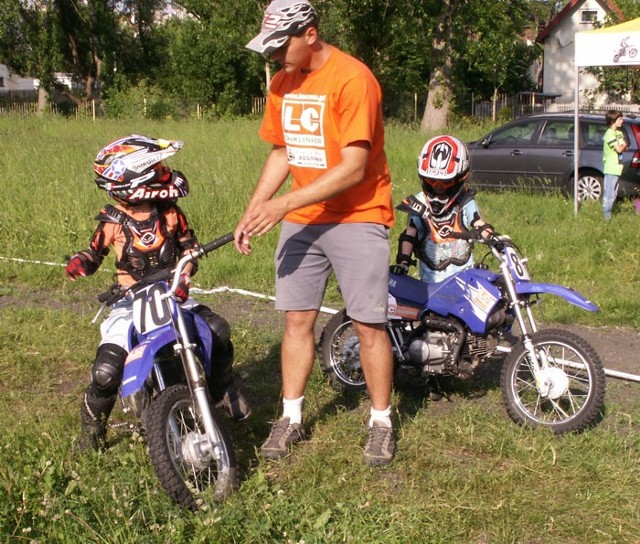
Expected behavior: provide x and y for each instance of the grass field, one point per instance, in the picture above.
(464, 472)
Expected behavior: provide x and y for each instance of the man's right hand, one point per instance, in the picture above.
(241, 240)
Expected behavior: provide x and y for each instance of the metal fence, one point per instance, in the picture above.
(406, 107)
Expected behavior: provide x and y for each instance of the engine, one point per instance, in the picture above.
(432, 348)
(443, 346)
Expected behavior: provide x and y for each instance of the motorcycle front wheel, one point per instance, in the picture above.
(339, 353)
(571, 397)
(179, 448)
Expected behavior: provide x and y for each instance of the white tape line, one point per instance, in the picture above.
(244, 292)
(30, 261)
(324, 309)
(622, 375)
(16, 260)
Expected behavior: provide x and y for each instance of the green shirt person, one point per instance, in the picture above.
(612, 148)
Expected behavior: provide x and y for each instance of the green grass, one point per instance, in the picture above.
(464, 472)
(50, 201)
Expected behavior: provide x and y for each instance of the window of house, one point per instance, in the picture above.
(589, 16)
(1, 82)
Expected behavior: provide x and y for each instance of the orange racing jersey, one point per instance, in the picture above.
(317, 114)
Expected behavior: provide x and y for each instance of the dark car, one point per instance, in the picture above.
(536, 152)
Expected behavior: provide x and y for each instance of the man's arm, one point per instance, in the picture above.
(266, 214)
(274, 173)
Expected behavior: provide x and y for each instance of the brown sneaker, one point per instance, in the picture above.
(282, 435)
(380, 446)
(234, 404)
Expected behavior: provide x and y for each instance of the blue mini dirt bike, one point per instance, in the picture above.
(550, 378)
(165, 385)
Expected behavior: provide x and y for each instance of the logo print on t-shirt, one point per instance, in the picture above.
(302, 124)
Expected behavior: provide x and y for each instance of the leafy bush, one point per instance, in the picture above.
(142, 101)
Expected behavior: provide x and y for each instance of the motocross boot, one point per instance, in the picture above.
(234, 403)
(223, 386)
(94, 413)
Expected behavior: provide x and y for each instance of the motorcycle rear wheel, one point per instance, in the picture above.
(575, 378)
(174, 428)
(339, 354)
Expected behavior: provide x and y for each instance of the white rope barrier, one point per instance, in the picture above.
(244, 292)
(324, 309)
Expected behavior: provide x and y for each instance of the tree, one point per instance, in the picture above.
(440, 92)
(205, 58)
(28, 41)
(496, 49)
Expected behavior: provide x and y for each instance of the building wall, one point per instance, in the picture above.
(14, 82)
(559, 51)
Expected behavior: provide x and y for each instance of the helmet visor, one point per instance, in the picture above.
(440, 189)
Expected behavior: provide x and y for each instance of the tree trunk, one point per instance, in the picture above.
(436, 111)
(494, 107)
(42, 99)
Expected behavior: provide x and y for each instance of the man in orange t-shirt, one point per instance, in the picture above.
(324, 120)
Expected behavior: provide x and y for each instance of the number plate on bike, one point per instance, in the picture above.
(150, 310)
(517, 266)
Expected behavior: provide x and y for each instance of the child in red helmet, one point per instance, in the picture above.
(147, 231)
(445, 206)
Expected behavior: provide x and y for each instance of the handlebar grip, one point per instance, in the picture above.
(471, 235)
(103, 297)
(156, 275)
(218, 242)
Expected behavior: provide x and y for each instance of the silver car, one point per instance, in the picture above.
(536, 153)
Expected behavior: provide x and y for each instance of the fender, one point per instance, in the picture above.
(139, 362)
(530, 288)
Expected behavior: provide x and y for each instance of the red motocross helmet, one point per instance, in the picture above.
(443, 167)
(131, 170)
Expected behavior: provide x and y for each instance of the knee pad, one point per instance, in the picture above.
(219, 325)
(107, 368)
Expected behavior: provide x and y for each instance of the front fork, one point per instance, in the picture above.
(538, 361)
(185, 349)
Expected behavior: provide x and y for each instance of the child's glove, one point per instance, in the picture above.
(182, 291)
(80, 265)
(401, 269)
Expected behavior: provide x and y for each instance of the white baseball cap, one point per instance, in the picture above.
(282, 19)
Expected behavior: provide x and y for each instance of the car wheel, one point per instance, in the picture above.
(589, 186)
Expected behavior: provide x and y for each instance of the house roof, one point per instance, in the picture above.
(607, 5)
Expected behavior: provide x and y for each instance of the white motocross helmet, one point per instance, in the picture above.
(443, 167)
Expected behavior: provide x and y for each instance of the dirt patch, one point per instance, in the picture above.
(618, 347)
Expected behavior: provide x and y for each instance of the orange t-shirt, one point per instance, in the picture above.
(315, 115)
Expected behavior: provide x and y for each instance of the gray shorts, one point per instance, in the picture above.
(357, 253)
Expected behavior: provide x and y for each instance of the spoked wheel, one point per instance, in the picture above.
(186, 461)
(340, 353)
(570, 395)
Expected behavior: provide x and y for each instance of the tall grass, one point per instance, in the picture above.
(50, 200)
(463, 474)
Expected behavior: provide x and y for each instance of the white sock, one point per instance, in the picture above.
(382, 416)
(292, 408)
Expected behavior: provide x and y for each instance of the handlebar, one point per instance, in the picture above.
(116, 292)
(475, 236)
(218, 242)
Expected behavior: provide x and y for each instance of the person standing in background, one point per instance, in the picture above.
(324, 120)
(613, 146)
